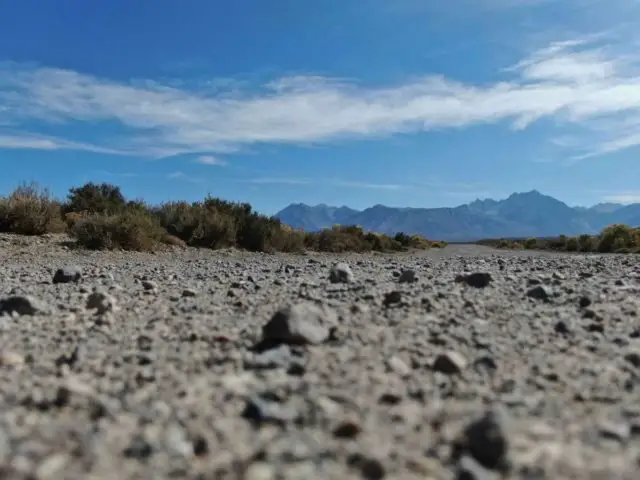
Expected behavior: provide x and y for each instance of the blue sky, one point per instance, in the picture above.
(356, 102)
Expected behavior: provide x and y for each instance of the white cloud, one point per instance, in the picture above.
(575, 83)
(211, 160)
(28, 141)
(323, 181)
(623, 198)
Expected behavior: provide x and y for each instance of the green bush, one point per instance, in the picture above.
(99, 217)
(101, 198)
(30, 210)
(130, 230)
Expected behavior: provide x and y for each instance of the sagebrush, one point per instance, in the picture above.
(100, 217)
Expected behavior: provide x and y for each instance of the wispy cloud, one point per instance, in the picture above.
(334, 182)
(626, 198)
(574, 83)
(29, 141)
(211, 160)
(178, 175)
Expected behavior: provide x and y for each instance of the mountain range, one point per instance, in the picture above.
(528, 214)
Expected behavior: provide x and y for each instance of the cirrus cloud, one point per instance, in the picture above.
(586, 83)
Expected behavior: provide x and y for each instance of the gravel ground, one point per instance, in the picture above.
(463, 363)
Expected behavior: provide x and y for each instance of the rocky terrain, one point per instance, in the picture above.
(463, 363)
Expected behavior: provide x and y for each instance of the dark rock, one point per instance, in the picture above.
(22, 305)
(407, 276)
(539, 292)
(450, 363)
(477, 279)
(301, 323)
(67, 275)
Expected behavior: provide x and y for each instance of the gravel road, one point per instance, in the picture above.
(461, 363)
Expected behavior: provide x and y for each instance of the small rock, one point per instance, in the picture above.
(149, 285)
(469, 469)
(370, 468)
(139, 448)
(397, 365)
(22, 305)
(259, 471)
(341, 273)
(101, 302)
(539, 292)
(392, 298)
(280, 357)
(259, 410)
(477, 279)
(407, 276)
(584, 301)
(562, 327)
(11, 359)
(450, 363)
(347, 429)
(188, 292)
(633, 358)
(300, 323)
(611, 430)
(486, 440)
(67, 275)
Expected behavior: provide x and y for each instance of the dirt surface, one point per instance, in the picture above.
(463, 363)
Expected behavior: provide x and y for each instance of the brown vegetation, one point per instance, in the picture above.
(99, 217)
(615, 238)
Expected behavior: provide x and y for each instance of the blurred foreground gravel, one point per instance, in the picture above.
(462, 363)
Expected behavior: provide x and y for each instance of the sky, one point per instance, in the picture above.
(421, 103)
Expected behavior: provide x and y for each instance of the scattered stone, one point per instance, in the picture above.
(450, 363)
(486, 440)
(341, 273)
(477, 279)
(392, 298)
(370, 468)
(348, 429)
(102, 302)
(398, 366)
(259, 410)
(300, 323)
(584, 301)
(21, 305)
(67, 275)
(539, 292)
(189, 292)
(408, 276)
(149, 285)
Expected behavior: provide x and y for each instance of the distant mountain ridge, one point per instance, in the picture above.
(526, 214)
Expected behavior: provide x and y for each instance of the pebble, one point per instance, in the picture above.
(21, 305)
(67, 275)
(341, 273)
(408, 276)
(102, 302)
(476, 279)
(450, 363)
(300, 323)
(539, 292)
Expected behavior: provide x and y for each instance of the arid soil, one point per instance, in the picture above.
(463, 363)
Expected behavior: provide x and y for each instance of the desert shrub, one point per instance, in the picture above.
(101, 198)
(572, 245)
(30, 210)
(130, 230)
(617, 237)
(531, 243)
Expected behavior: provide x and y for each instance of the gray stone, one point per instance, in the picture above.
(341, 273)
(67, 274)
(300, 323)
